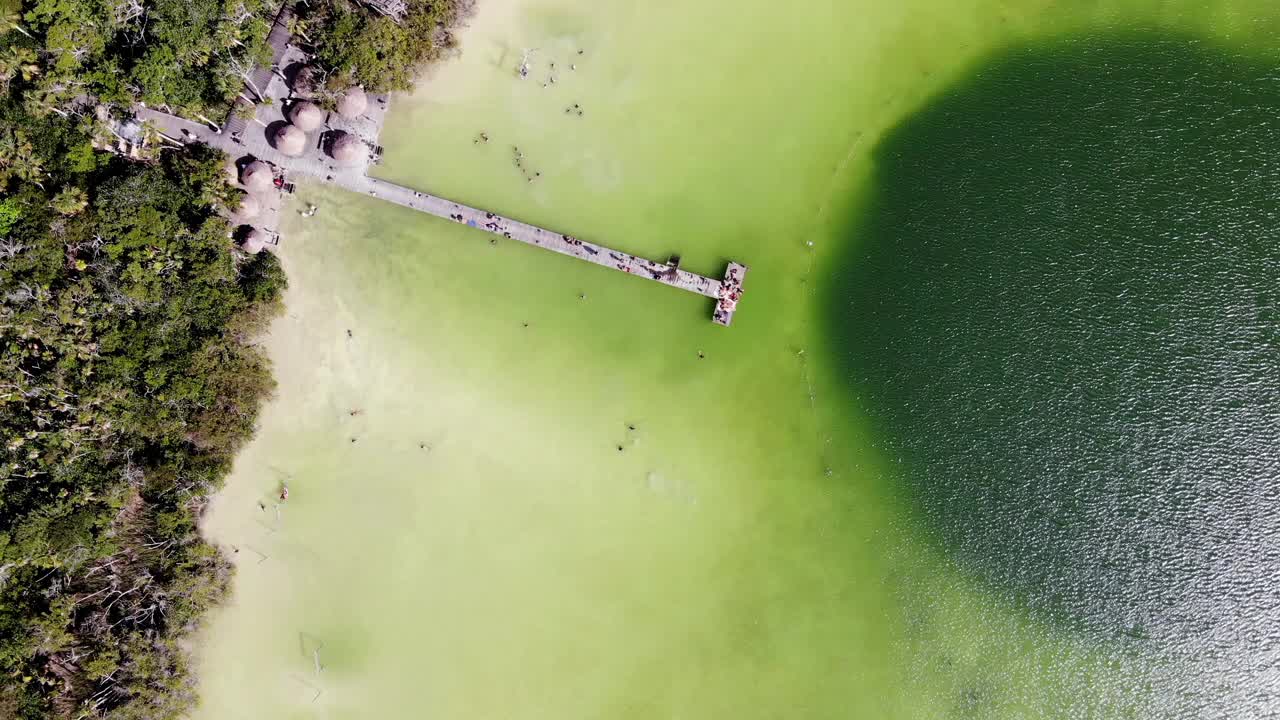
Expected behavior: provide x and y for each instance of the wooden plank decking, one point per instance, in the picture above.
(726, 291)
(277, 40)
(532, 235)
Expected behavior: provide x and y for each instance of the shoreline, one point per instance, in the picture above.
(473, 595)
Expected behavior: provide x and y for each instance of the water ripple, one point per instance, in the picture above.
(1061, 309)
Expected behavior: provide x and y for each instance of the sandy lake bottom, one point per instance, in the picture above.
(525, 487)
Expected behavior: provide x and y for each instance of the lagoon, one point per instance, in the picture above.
(487, 536)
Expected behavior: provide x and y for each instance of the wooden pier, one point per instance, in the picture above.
(726, 291)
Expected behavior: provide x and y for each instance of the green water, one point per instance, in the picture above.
(483, 549)
(1062, 312)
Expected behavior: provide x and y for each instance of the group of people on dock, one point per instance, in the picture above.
(668, 273)
(492, 225)
(730, 293)
(726, 292)
(579, 245)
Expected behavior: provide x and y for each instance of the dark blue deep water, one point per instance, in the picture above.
(1061, 310)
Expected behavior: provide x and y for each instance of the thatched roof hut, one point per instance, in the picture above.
(249, 207)
(257, 176)
(306, 115)
(347, 149)
(254, 240)
(290, 140)
(306, 81)
(353, 102)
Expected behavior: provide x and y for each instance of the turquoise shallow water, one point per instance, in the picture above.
(1061, 310)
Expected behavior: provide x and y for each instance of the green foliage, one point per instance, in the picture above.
(184, 54)
(10, 214)
(71, 201)
(128, 377)
(18, 157)
(262, 279)
(364, 48)
(82, 159)
(18, 62)
(127, 382)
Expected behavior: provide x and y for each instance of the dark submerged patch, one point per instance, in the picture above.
(1059, 307)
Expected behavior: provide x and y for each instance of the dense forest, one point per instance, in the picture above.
(128, 382)
(357, 47)
(128, 373)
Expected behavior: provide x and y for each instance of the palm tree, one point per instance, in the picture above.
(298, 26)
(20, 62)
(18, 158)
(47, 97)
(9, 19)
(71, 201)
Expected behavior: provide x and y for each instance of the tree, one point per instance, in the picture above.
(10, 214)
(18, 62)
(49, 96)
(129, 380)
(9, 19)
(129, 375)
(18, 158)
(71, 201)
(378, 51)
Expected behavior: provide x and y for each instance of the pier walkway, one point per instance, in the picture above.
(526, 233)
(726, 291)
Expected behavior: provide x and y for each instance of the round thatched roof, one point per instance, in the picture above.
(249, 206)
(290, 140)
(353, 102)
(254, 241)
(306, 116)
(256, 176)
(347, 149)
(306, 81)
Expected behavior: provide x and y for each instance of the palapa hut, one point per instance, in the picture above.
(306, 115)
(257, 177)
(254, 240)
(290, 140)
(306, 81)
(249, 207)
(353, 102)
(347, 149)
